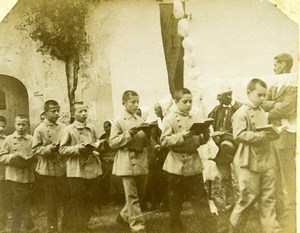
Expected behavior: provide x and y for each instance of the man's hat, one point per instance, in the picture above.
(227, 146)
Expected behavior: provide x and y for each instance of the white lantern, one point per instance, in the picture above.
(178, 9)
(190, 60)
(194, 73)
(188, 44)
(183, 28)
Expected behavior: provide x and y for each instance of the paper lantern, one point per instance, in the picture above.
(210, 171)
(190, 60)
(178, 9)
(194, 73)
(188, 44)
(183, 28)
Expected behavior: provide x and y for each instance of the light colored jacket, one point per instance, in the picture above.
(131, 158)
(78, 165)
(49, 164)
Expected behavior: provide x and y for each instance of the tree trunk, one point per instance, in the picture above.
(72, 67)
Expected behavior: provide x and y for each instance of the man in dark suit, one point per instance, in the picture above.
(281, 103)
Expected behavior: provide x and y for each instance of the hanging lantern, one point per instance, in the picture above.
(190, 60)
(178, 9)
(194, 73)
(183, 28)
(188, 44)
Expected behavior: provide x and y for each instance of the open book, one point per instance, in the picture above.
(144, 126)
(94, 145)
(271, 129)
(202, 127)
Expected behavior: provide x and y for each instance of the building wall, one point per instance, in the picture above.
(234, 39)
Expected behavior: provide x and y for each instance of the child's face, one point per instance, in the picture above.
(279, 67)
(80, 113)
(53, 113)
(2, 126)
(132, 104)
(21, 125)
(158, 110)
(185, 103)
(258, 95)
(107, 126)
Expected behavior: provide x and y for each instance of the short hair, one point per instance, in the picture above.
(22, 116)
(48, 103)
(180, 92)
(253, 82)
(3, 119)
(73, 107)
(286, 58)
(126, 95)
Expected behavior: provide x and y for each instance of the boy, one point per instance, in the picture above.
(19, 174)
(183, 164)
(253, 161)
(3, 188)
(83, 170)
(50, 166)
(131, 160)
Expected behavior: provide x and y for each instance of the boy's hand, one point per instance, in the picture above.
(133, 131)
(54, 147)
(84, 151)
(188, 134)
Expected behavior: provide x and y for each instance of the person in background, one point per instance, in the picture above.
(3, 185)
(131, 162)
(157, 174)
(254, 163)
(183, 164)
(281, 104)
(83, 170)
(17, 158)
(51, 165)
(222, 126)
(111, 185)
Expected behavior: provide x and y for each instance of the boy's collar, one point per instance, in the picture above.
(181, 113)
(251, 105)
(128, 115)
(17, 135)
(47, 122)
(80, 125)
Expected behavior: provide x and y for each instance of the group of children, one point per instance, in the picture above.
(69, 165)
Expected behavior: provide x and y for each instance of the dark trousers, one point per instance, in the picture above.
(3, 203)
(20, 194)
(84, 194)
(54, 198)
(193, 188)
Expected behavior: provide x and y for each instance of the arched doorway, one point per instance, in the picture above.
(13, 100)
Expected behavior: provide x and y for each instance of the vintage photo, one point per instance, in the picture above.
(152, 116)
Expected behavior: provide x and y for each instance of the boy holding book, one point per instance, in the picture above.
(51, 166)
(254, 162)
(131, 161)
(83, 170)
(16, 156)
(183, 164)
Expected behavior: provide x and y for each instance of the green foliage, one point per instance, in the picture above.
(59, 26)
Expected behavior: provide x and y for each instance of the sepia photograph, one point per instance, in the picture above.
(148, 116)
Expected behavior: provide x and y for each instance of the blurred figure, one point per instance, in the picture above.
(111, 185)
(222, 126)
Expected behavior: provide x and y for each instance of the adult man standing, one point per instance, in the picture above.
(281, 103)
